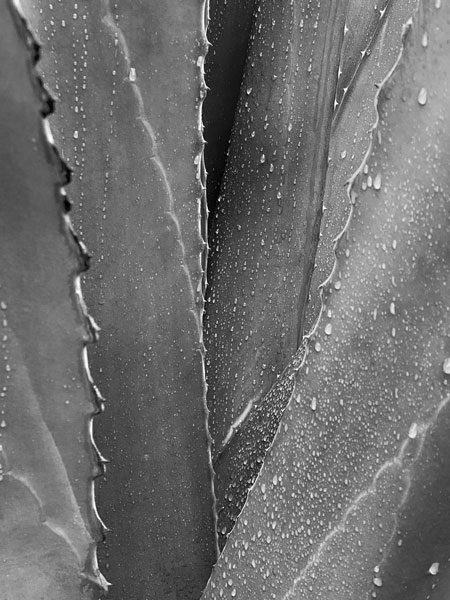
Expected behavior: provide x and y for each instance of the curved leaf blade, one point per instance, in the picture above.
(229, 28)
(49, 526)
(352, 122)
(265, 229)
(130, 125)
(344, 476)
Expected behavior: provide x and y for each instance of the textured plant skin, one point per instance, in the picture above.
(229, 28)
(48, 461)
(375, 42)
(240, 461)
(352, 501)
(129, 80)
(265, 229)
(365, 19)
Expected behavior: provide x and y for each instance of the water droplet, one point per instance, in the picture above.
(3, 305)
(343, 154)
(317, 347)
(433, 570)
(75, 134)
(249, 91)
(262, 159)
(377, 581)
(412, 433)
(3, 424)
(132, 74)
(337, 285)
(446, 366)
(437, 3)
(263, 488)
(328, 328)
(392, 308)
(425, 40)
(422, 98)
(314, 403)
(275, 480)
(377, 181)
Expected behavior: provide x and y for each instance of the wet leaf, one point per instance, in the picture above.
(229, 26)
(129, 80)
(265, 229)
(357, 478)
(352, 121)
(48, 522)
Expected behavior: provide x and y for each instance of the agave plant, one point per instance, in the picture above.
(274, 353)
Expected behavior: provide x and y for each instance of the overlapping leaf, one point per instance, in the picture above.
(370, 49)
(266, 225)
(352, 501)
(229, 28)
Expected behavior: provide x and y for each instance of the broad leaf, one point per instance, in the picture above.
(48, 521)
(129, 80)
(353, 499)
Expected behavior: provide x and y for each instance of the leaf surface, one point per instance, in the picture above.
(229, 27)
(376, 42)
(265, 229)
(48, 522)
(357, 479)
(129, 80)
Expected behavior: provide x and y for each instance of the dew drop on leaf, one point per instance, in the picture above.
(412, 433)
(446, 366)
(377, 181)
(422, 98)
(433, 570)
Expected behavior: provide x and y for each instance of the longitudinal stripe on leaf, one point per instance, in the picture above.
(352, 501)
(129, 80)
(376, 41)
(265, 229)
(49, 526)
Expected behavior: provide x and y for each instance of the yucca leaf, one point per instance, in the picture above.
(48, 521)
(375, 41)
(352, 501)
(265, 229)
(129, 80)
(229, 27)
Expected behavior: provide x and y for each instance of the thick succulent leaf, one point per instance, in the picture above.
(365, 19)
(129, 79)
(357, 478)
(352, 122)
(240, 461)
(48, 521)
(229, 27)
(265, 229)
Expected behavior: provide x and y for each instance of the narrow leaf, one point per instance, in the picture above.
(352, 122)
(48, 522)
(229, 27)
(337, 511)
(265, 229)
(129, 79)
